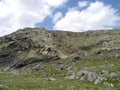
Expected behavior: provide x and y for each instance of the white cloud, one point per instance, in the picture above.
(55, 3)
(83, 3)
(15, 14)
(96, 16)
(57, 17)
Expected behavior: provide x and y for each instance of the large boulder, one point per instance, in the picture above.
(114, 76)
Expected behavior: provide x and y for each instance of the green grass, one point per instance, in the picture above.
(31, 82)
(35, 81)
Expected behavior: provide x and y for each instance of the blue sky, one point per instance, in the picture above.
(67, 15)
(73, 3)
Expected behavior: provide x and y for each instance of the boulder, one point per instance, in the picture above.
(82, 73)
(62, 67)
(114, 76)
(98, 80)
(103, 72)
(108, 84)
(76, 58)
(71, 76)
(37, 67)
(51, 79)
(79, 56)
(82, 79)
(91, 77)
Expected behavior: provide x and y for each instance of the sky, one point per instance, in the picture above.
(67, 15)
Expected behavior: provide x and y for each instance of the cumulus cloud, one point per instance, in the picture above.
(57, 17)
(83, 3)
(96, 16)
(15, 14)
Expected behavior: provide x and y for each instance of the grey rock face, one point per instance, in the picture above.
(26, 61)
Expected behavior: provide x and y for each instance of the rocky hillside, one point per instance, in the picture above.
(32, 45)
(93, 55)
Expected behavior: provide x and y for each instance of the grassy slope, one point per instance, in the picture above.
(31, 82)
(36, 81)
